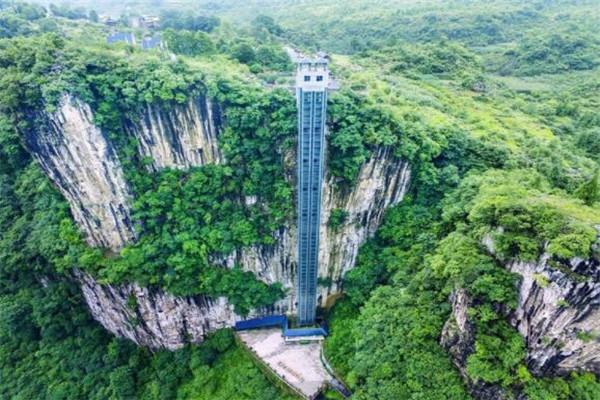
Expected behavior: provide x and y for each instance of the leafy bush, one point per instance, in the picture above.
(172, 19)
(441, 58)
(498, 356)
(337, 218)
(551, 54)
(188, 43)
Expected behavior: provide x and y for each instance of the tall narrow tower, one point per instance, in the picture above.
(312, 79)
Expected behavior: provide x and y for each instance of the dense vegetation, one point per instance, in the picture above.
(385, 339)
(480, 131)
(38, 70)
(494, 106)
(50, 347)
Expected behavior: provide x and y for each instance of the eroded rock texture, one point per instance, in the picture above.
(83, 164)
(558, 315)
(382, 183)
(458, 339)
(153, 318)
(182, 136)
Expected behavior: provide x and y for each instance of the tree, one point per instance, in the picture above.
(589, 142)
(337, 218)
(67, 12)
(12, 154)
(589, 192)
(267, 23)
(180, 20)
(244, 53)
(188, 43)
(30, 12)
(122, 382)
(273, 57)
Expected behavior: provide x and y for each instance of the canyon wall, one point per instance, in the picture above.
(558, 315)
(81, 161)
(153, 318)
(458, 339)
(558, 308)
(182, 137)
(83, 164)
(382, 182)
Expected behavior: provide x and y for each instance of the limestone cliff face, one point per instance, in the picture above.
(458, 338)
(382, 183)
(153, 318)
(83, 164)
(558, 315)
(181, 137)
(163, 320)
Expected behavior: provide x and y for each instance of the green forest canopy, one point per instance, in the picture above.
(474, 96)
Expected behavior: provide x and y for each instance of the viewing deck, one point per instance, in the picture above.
(293, 355)
(298, 366)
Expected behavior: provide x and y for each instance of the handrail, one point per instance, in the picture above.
(266, 367)
(335, 381)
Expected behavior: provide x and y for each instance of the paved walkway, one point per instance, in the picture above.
(297, 364)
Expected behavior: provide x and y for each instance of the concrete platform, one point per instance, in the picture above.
(298, 365)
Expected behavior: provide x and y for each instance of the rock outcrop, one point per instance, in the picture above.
(156, 319)
(382, 183)
(558, 315)
(182, 136)
(458, 339)
(83, 164)
(153, 318)
(458, 335)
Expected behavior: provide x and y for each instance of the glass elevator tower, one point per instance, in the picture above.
(312, 79)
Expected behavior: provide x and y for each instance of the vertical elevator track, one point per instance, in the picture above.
(311, 92)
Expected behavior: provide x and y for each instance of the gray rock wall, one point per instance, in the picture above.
(558, 314)
(83, 164)
(181, 137)
(153, 318)
(458, 339)
(382, 183)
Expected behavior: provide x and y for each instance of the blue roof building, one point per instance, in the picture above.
(281, 321)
